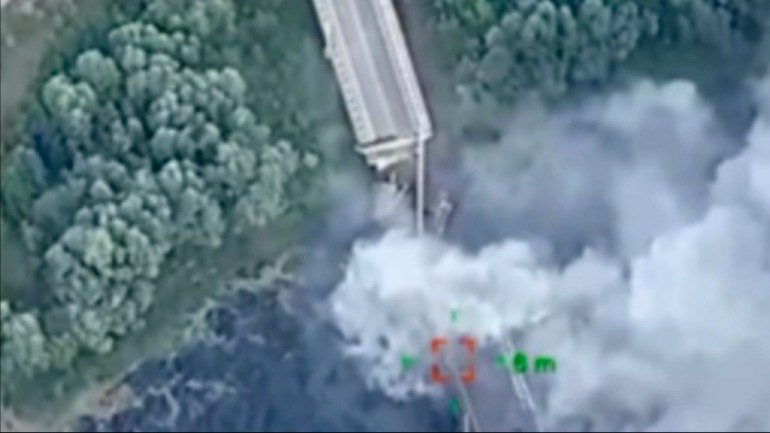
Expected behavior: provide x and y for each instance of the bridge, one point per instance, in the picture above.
(379, 86)
(371, 60)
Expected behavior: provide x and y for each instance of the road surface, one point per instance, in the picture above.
(371, 60)
(373, 67)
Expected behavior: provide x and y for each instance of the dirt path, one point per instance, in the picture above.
(28, 29)
(25, 32)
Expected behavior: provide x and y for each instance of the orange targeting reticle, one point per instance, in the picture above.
(437, 347)
(468, 373)
(518, 362)
(438, 344)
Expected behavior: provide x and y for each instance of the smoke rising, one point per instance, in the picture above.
(635, 226)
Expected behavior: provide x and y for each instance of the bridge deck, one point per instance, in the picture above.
(371, 60)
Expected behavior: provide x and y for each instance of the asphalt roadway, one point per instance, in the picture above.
(361, 35)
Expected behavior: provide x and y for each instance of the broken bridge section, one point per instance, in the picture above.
(371, 60)
(386, 107)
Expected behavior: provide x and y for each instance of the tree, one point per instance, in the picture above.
(548, 46)
(23, 346)
(268, 198)
(160, 155)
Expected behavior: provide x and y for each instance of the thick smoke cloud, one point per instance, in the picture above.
(631, 240)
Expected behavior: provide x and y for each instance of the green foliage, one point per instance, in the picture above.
(23, 345)
(146, 149)
(502, 51)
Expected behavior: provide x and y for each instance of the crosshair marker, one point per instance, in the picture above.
(500, 360)
(454, 406)
(453, 315)
(408, 361)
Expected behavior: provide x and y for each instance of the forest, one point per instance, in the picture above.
(499, 50)
(161, 141)
(178, 142)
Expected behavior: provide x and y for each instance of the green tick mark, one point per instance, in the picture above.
(454, 406)
(408, 361)
(500, 360)
(454, 314)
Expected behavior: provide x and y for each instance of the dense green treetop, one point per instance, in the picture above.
(500, 49)
(142, 149)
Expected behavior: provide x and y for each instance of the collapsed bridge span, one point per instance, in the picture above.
(379, 85)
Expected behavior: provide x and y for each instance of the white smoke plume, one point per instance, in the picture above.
(656, 270)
